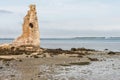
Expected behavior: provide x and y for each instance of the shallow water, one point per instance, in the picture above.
(102, 70)
(8, 72)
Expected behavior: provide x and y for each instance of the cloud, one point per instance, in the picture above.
(71, 17)
(5, 11)
(77, 13)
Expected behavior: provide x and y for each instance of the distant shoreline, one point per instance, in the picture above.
(70, 38)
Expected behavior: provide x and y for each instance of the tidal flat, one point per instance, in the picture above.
(53, 65)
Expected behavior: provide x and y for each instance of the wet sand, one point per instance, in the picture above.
(58, 67)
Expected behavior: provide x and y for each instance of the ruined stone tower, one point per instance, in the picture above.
(30, 34)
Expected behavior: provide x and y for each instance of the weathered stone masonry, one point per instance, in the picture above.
(30, 34)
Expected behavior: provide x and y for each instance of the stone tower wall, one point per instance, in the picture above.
(30, 34)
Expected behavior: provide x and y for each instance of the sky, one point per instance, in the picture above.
(63, 18)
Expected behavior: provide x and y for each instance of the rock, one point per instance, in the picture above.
(6, 58)
(54, 51)
(93, 59)
(63, 55)
(84, 49)
(106, 49)
(80, 63)
(35, 56)
(111, 53)
(30, 35)
(47, 55)
(73, 49)
(5, 46)
(31, 79)
(20, 60)
(1, 67)
(12, 75)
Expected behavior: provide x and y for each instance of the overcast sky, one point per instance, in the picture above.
(63, 18)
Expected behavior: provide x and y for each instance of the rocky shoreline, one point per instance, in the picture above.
(23, 59)
(27, 62)
(44, 52)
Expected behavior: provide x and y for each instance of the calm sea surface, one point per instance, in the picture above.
(92, 43)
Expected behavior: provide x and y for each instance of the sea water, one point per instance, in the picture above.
(112, 44)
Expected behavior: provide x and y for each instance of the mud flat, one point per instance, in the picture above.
(58, 64)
